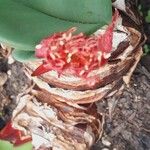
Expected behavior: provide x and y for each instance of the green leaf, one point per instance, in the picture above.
(23, 27)
(27, 146)
(146, 49)
(85, 11)
(23, 56)
(148, 17)
(5, 145)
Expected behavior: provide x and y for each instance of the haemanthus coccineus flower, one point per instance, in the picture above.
(14, 136)
(77, 54)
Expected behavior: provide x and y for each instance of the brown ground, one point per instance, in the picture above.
(129, 126)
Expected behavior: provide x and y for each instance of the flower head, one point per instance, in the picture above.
(76, 54)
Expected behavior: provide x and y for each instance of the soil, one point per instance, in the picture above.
(127, 125)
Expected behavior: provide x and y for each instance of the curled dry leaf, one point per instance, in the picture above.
(56, 124)
(3, 78)
(5, 50)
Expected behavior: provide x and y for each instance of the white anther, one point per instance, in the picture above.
(38, 46)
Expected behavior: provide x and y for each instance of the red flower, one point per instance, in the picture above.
(77, 54)
(12, 135)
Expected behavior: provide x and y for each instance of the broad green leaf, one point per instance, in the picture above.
(5, 145)
(27, 146)
(23, 56)
(23, 27)
(86, 11)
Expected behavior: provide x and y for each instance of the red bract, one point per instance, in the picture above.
(105, 41)
(12, 135)
(76, 54)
